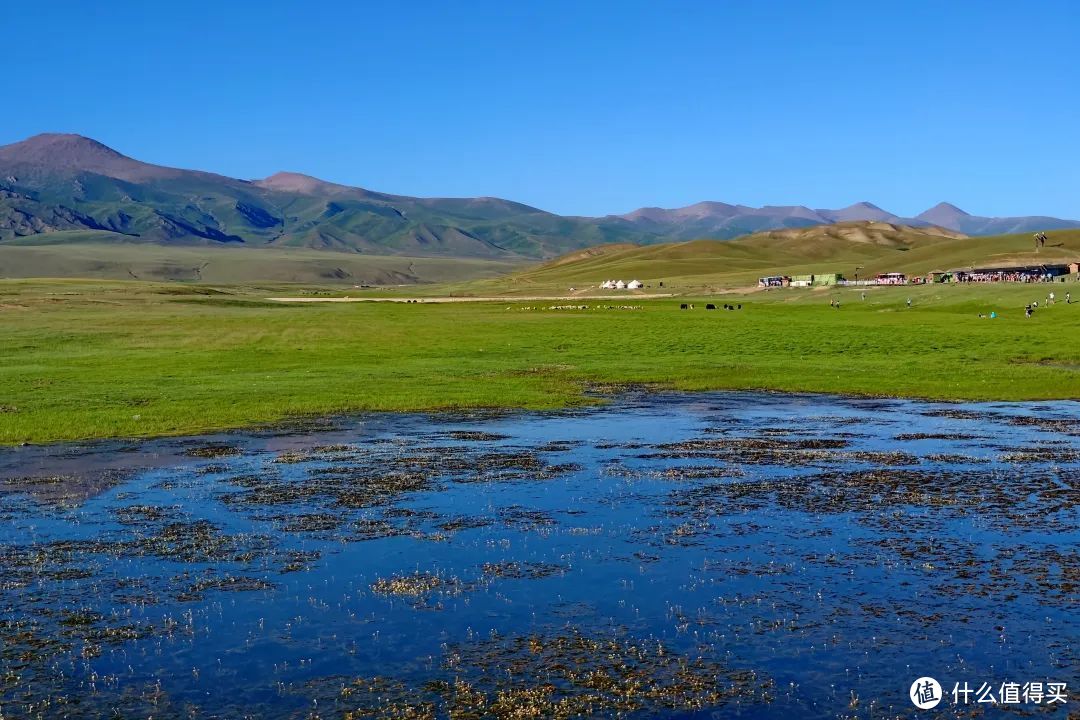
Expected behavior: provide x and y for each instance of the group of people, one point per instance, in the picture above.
(1040, 240)
(1002, 276)
(1030, 309)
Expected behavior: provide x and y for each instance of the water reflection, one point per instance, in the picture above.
(669, 555)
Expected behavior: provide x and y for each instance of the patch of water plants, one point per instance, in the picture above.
(734, 555)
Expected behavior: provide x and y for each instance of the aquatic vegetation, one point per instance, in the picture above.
(748, 554)
(475, 435)
(522, 570)
(414, 585)
(567, 675)
(213, 450)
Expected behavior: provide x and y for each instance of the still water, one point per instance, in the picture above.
(689, 556)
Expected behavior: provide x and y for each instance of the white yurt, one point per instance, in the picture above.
(634, 285)
(620, 285)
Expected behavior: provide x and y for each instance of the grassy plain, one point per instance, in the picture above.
(92, 255)
(81, 359)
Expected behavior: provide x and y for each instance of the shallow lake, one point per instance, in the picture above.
(691, 556)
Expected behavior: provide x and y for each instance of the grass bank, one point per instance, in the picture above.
(92, 360)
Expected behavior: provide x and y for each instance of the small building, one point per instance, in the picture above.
(774, 281)
(635, 285)
(620, 285)
(938, 276)
(802, 280)
(1074, 268)
(826, 279)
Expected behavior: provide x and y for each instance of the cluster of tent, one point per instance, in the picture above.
(620, 285)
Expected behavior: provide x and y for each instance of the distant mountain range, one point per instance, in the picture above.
(723, 221)
(57, 182)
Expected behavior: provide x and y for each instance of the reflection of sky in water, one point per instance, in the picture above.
(824, 586)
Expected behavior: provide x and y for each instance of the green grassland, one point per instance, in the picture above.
(696, 267)
(84, 359)
(99, 256)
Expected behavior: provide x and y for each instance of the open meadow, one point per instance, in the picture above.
(90, 256)
(81, 359)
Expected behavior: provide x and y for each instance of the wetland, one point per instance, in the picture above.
(693, 556)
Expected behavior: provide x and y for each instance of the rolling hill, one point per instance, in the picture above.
(850, 248)
(61, 183)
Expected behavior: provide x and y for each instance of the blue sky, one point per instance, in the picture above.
(582, 107)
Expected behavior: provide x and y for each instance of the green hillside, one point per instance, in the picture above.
(706, 265)
(699, 266)
(57, 183)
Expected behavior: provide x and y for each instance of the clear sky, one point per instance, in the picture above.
(579, 107)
